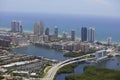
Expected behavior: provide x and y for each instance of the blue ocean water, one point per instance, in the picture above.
(105, 26)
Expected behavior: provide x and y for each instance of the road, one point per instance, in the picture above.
(52, 72)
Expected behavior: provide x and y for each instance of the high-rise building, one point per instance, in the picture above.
(109, 40)
(21, 29)
(64, 35)
(83, 34)
(41, 28)
(56, 31)
(91, 34)
(73, 35)
(36, 28)
(47, 31)
(13, 26)
(16, 26)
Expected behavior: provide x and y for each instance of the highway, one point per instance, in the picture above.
(52, 72)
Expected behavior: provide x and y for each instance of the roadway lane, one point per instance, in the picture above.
(52, 72)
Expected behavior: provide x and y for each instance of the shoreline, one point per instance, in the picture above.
(26, 31)
(8, 29)
(90, 62)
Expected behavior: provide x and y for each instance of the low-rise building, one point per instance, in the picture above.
(84, 47)
(34, 38)
(119, 48)
(4, 40)
(102, 54)
(76, 46)
(20, 73)
(19, 41)
(58, 46)
(69, 46)
(4, 43)
(44, 38)
(52, 37)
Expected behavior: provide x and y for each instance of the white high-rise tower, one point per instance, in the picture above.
(91, 34)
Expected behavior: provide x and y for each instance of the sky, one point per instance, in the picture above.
(71, 7)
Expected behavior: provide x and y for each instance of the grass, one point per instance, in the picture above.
(76, 54)
(1, 77)
(45, 71)
(94, 73)
(66, 69)
(73, 54)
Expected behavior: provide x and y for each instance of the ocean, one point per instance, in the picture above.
(104, 26)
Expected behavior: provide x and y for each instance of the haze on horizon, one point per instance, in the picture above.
(69, 7)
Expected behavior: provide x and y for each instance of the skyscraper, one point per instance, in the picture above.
(91, 34)
(41, 28)
(64, 35)
(16, 26)
(109, 40)
(56, 31)
(73, 35)
(13, 26)
(47, 31)
(83, 34)
(36, 28)
(21, 29)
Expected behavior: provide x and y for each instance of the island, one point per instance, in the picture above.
(95, 73)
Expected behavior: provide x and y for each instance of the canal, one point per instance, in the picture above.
(112, 63)
(40, 51)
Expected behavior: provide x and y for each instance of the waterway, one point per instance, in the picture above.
(112, 63)
(40, 51)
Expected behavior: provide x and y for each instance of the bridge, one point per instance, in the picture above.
(52, 72)
(101, 55)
